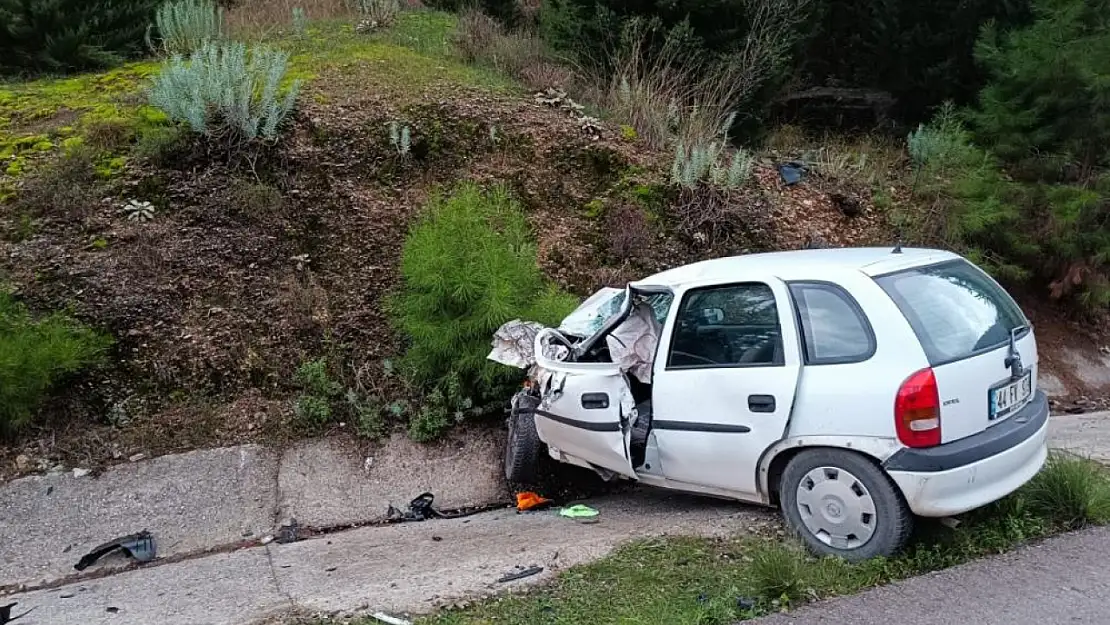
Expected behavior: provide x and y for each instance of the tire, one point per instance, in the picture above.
(835, 487)
(522, 446)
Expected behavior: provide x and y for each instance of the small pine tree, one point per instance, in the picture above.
(58, 36)
(1049, 90)
(468, 267)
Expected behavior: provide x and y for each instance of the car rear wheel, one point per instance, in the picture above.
(523, 446)
(842, 504)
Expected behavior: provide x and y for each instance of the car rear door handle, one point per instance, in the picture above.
(761, 403)
(595, 401)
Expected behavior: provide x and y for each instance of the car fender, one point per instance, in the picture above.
(879, 448)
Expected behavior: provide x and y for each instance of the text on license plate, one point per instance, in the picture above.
(1008, 398)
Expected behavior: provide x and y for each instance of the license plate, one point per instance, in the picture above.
(1011, 396)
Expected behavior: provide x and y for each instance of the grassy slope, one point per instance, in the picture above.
(37, 117)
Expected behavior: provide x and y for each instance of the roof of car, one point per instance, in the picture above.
(813, 264)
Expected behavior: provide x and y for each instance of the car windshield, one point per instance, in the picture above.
(955, 309)
(592, 314)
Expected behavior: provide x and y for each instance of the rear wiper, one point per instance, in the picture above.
(1013, 360)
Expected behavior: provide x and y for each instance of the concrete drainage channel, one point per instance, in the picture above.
(211, 511)
(220, 500)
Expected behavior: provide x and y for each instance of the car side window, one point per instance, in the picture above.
(727, 326)
(833, 326)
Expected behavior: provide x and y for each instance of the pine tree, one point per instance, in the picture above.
(1049, 93)
(58, 36)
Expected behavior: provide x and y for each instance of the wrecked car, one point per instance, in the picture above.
(853, 388)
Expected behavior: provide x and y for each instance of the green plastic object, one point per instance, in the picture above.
(579, 512)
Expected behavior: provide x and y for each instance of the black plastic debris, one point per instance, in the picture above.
(140, 547)
(288, 533)
(792, 172)
(744, 603)
(521, 574)
(6, 613)
(421, 509)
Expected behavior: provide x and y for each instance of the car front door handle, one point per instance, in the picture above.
(595, 401)
(761, 403)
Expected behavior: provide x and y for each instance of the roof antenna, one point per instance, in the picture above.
(898, 245)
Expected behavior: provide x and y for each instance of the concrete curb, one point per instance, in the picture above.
(222, 499)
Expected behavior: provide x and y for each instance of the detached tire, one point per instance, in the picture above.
(842, 504)
(523, 446)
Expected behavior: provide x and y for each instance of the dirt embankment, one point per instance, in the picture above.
(257, 262)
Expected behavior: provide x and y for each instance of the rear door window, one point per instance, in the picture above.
(956, 310)
(834, 328)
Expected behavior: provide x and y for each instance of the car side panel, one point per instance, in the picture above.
(857, 399)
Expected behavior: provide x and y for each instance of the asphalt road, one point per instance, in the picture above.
(1062, 581)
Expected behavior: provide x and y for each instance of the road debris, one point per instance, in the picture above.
(140, 547)
(521, 574)
(78, 472)
(421, 509)
(579, 511)
(792, 172)
(6, 613)
(528, 500)
(392, 620)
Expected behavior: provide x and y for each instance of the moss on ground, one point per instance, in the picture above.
(109, 111)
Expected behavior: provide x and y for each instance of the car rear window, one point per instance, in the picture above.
(955, 309)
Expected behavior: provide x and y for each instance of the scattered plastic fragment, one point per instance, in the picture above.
(744, 603)
(420, 509)
(529, 501)
(392, 620)
(6, 613)
(141, 547)
(792, 172)
(528, 572)
(579, 511)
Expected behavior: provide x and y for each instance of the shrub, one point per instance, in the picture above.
(692, 62)
(377, 13)
(222, 91)
(710, 164)
(507, 12)
(313, 407)
(468, 266)
(66, 186)
(188, 25)
(300, 22)
(60, 36)
(1073, 492)
(36, 354)
(479, 38)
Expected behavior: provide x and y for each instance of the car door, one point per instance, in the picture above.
(584, 412)
(724, 388)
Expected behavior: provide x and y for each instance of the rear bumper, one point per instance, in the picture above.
(954, 478)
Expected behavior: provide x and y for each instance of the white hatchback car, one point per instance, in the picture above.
(851, 387)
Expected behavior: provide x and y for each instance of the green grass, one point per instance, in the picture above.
(38, 117)
(716, 581)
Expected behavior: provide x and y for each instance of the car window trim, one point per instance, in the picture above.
(836, 289)
(915, 322)
(740, 365)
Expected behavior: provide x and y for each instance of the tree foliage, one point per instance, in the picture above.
(468, 267)
(58, 36)
(1049, 90)
(36, 354)
(1025, 190)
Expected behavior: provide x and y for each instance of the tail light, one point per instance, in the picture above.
(917, 410)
